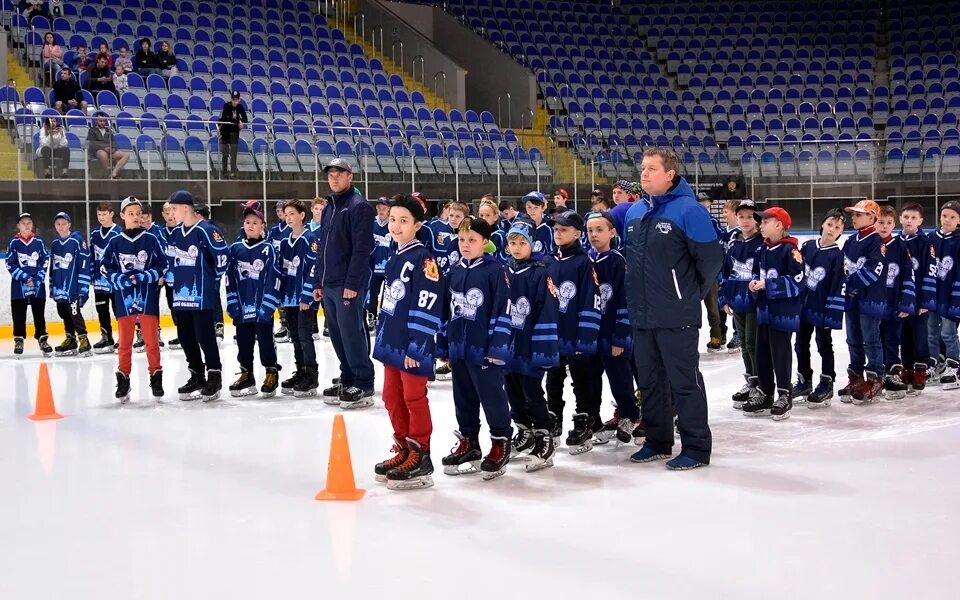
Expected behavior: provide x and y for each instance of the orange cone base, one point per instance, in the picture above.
(351, 495)
(50, 417)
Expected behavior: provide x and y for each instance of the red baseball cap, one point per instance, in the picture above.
(779, 214)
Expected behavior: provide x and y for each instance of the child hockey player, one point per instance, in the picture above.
(778, 275)
(383, 249)
(197, 257)
(508, 212)
(170, 223)
(476, 345)
(102, 293)
(133, 262)
(253, 282)
(27, 262)
(203, 212)
(298, 254)
(488, 212)
(940, 298)
(279, 232)
(409, 319)
(574, 283)
(533, 347)
(316, 212)
(614, 340)
(901, 301)
(70, 285)
(866, 301)
(448, 254)
(146, 222)
(731, 231)
(737, 298)
(916, 350)
(822, 310)
(543, 242)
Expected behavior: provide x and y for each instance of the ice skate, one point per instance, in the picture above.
(609, 429)
(935, 370)
(44, 346)
(639, 433)
(466, 452)
(281, 336)
(543, 451)
(443, 371)
(414, 473)
(123, 388)
(801, 389)
(823, 393)
(625, 430)
(758, 406)
(270, 382)
(919, 380)
(400, 452)
(174, 344)
(714, 345)
(156, 383)
(17, 346)
(218, 331)
(307, 386)
(353, 397)
(869, 389)
(746, 391)
(245, 385)
(580, 438)
(734, 345)
(83, 347)
(287, 385)
(191, 389)
(211, 391)
(854, 381)
(523, 441)
(894, 387)
(948, 379)
(68, 347)
(331, 395)
(782, 405)
(494, 464)
(556, 427)
(105, 345)
(139, 345)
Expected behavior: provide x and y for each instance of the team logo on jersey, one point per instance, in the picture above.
(217, 237)
(98, 253)
(379, 240)
(797, 256)
(769, 274)
(465, 305)
(453, 258)
(392, 294)
(430, 269)
(292, 266)
(133, 262)
(606, 292)
(852, 267)
(944, 266)
(185, 258)
(814, 276)
(62, 261)
(893, 270)
(565, 293)
(28, 260)
(664, 227)
(742, 270)
(914, 263)
(538, 246)
(250, 270)
(519, 311)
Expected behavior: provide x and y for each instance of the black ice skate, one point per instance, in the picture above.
(287, 385)
(218, 331)
(270, 382)
(466, 452)
(307, 386)
(191, 389)
(123, 388)
(580, 438)
(211, 391)
(281, 336)
(17, 346)
(625, 430)
(353, 397)
(400, 452)
(894, 387)
(83, 347)
(105, 345)
(156, 383)
(139, 345)
(801, 389)
(758, 406)
(443, 371)
(494, 464)
(414, 473)
(174, 344)
(948, 377)
(556, 427)
(746, 391)
(782, 405)
(44, 346)
(543, 451)
(823, 393)
(523, 441)
(331, 395)
(245, 385)
(68, 347)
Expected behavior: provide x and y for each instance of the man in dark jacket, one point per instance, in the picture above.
(67, 93)
(673, 258)
(341, 279)
(99, 78)
(232, 118)
(145, 60)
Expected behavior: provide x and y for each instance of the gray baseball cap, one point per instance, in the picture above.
(339, 163)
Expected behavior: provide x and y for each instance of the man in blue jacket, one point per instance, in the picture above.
(341, 278)
(673, 258)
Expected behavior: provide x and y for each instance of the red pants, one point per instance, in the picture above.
(405, 396)
(149, 324)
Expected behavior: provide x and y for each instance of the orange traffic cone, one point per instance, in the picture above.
(340, 483)
(45, 410)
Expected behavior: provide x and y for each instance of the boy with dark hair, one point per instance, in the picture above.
(915, 348)
(822, 310)
(70, 285)
(508, 212)
(778, 272)
(298, 255)
(901, 301)
(383, 249)
(543, 242)
(938, 298)
(27, 261)
(102, 292)
(732, 229)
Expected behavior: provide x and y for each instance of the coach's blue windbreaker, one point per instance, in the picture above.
(253, 281)
(197, 259)
(672, 259)
(738, 273)
(863, 262)
(27, 260)
(898, 278)
(475, 299)
(345, 243)
(943, 270)
(298, 259)
(69, 269)
(823, 290)
(410, 310)
(133, 263)
(98, 243)
(611, 267)
(532, 318)
(780, 265)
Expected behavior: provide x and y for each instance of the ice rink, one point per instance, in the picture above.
(184, 500)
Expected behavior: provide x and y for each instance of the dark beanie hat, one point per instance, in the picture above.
(411, 204)
(481, 227)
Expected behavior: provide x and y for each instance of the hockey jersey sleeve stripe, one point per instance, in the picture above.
(545, 326)
(544, 338)
(425, 316)
(422, 329)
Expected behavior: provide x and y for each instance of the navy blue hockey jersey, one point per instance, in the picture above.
(410, 309)
(823, 284)
(27, 260)
(69, 268)
(921, 257)
(574, 283)
(737, 273)
(253, 281)
(383, 246)
(781, 266)
(443, 234)
(278, 232)
(475, 299)
(543, 239)
(898, 278)
(611, 268)
(98, 243)
(159, 232)
(945, 301)
(531, 319)
(133, 262)
(297, 257)
(450, 255)
(863, 263)
(197, 259)
(499, 239)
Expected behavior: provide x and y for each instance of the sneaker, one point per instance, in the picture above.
(353, 397)
(648, 454)
(782, 405)
(684, 463)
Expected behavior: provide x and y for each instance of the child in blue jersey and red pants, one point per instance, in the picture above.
(778, 272)
(409, 318)
(901, 301)
(133, 262)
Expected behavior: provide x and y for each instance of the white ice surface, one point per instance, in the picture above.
(184, 500)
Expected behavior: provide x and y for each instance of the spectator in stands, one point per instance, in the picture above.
(146, 61)
(732, 190)
(35, 8)
(104, 52)
(67, 93)
(52, 56)
(559, 202)
(100, 145)
(232, 118)
(123, 64)
(99, 78)
(54, 152)
(82, 59)
(166, 60)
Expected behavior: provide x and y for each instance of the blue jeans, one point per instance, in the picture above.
(348, 334)
(941, 329)
(863, 340)
(890, 331)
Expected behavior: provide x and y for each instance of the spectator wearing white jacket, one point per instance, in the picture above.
(54, 152)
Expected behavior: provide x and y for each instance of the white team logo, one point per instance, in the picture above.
(852, 267)
(944, 266)
(606, 292)
(292, 266)
(664, 227)
(28, 260)
(186, 258)
(466, 304)
(519, 311)
(133, 262)
(893, 270)
(382, 240)
(566, 292)
(98, 253)
(250, 270)
(742, 270)
(454, 257)
(538, 246)
(915, 263)
(769, 274)
(392, 294)
(62, 262)
(814, 276)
